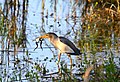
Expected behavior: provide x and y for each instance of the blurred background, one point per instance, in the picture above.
(92, 25)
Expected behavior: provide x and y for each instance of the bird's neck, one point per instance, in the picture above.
(53, 41)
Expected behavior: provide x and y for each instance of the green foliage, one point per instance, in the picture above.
(107, 71)
(0, 79)
(110, 69)
(100, 23)
(100, 31)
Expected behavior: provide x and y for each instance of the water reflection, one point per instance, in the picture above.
(23, 21)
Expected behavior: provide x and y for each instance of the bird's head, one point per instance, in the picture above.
(49, 35)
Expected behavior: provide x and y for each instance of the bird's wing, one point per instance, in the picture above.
(71, 45)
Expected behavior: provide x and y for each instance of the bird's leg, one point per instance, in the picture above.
(70, 58)
(70, 61)
(59, 55)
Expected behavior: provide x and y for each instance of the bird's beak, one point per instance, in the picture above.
(41, 37)
(44, 36)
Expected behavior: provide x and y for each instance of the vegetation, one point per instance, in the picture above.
(100, 32)
(99, 41)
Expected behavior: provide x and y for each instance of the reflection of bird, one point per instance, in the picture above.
(63, 44)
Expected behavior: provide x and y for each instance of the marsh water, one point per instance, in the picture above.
(23, 21)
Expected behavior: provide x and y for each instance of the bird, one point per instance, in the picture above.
(63, 44)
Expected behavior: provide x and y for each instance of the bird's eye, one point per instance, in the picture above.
(47, 35)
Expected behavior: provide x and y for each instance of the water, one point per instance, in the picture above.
(42, 16)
